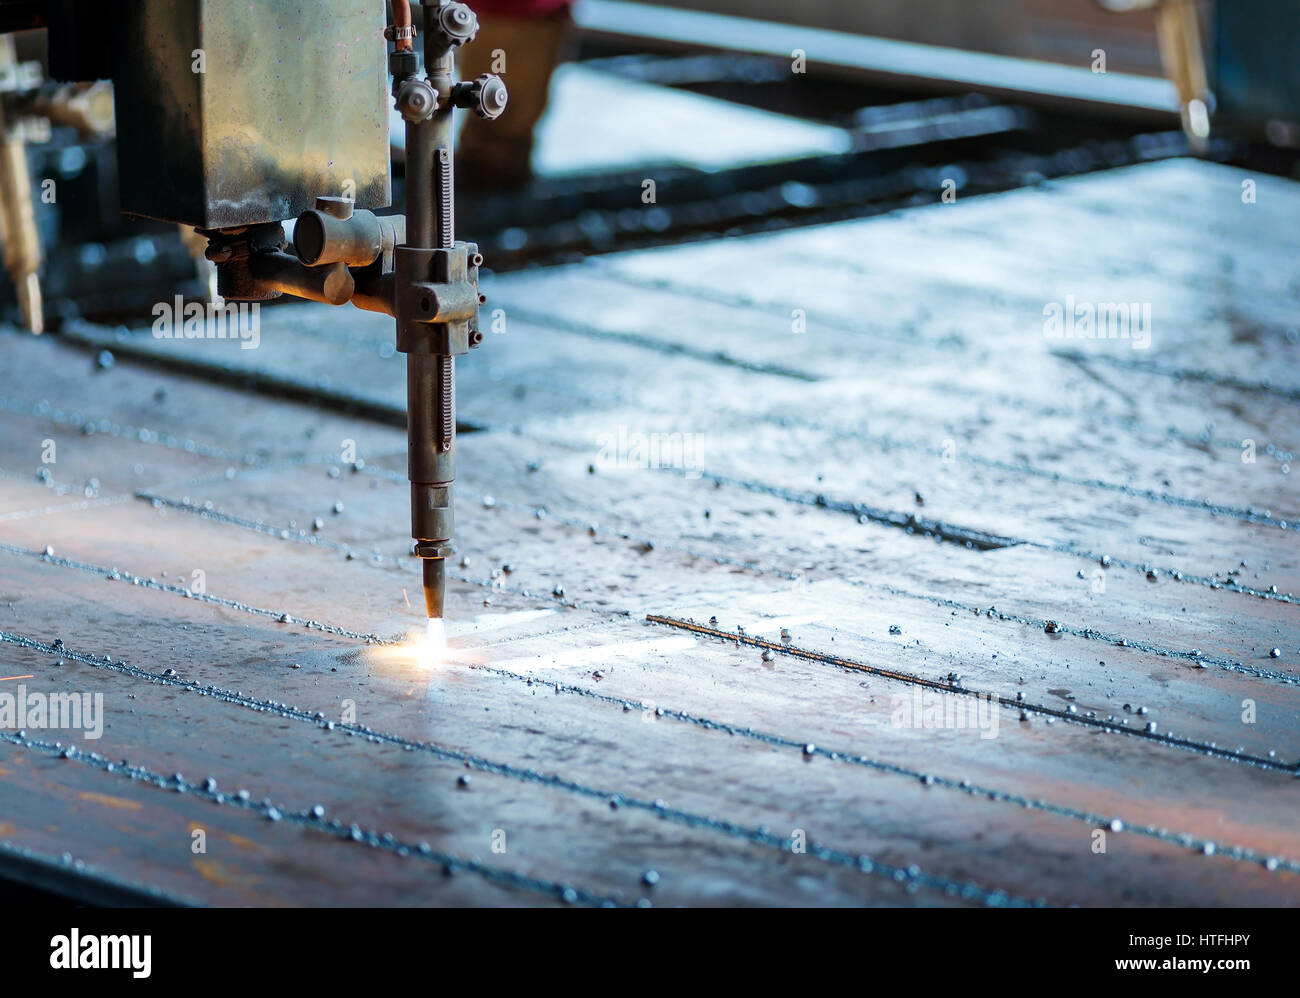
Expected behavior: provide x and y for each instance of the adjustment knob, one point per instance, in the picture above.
(456, 23)
(486, 96)
(416, 100)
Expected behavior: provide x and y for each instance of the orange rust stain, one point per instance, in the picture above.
(120, 803)
(8, 828)
(215, 872)
(242, 842)
(233, 839)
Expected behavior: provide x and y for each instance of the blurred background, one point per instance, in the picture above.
(749, 115)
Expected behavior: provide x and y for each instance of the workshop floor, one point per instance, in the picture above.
(933, 499)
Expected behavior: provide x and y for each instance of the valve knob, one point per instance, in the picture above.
(456, 23)
(486, 96)
(416, 100)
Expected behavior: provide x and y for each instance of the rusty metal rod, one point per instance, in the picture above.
(332, 285)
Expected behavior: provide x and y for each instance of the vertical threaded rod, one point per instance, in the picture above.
(447, 375)
(445, 200)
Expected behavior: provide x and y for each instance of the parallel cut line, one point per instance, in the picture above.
(1088, 633)
(911, 875)
(450, 863)
(975, 539)
(647, 342)
(1289, 393)
(610, 272)
(1094, 820)
(394, 415)
(67, 507)
(945, 686)
(1207, 506)
(1114, 824)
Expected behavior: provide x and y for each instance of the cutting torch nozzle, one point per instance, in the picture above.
(435, 585)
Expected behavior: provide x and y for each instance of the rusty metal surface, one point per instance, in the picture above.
(241, 139)
(696, 671)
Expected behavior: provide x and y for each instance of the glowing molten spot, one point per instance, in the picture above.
(432, 648)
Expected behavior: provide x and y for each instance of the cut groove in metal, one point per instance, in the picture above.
(911, 875)
(1181, 839)
(449, 863)
(1202, 748)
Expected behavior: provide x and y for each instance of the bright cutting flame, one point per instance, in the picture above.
(432, 648)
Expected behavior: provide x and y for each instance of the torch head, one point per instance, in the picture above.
(435, 586)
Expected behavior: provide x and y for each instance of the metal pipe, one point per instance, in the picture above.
(332, 285)
(374, 294)
(321, 238)
(403, 32)
(1179, 32)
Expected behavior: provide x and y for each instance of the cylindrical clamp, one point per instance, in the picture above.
(320, 237)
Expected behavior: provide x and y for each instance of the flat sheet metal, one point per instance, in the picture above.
(806, 569)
